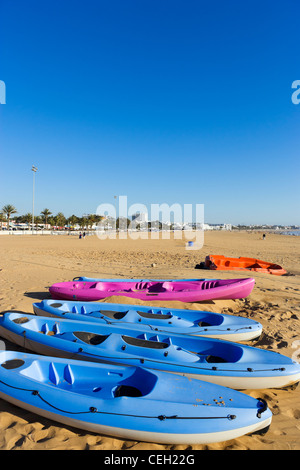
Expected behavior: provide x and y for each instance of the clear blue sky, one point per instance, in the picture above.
(164, 101)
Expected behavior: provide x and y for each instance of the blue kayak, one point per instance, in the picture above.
(129, 402)
(179, 321)
(222, 362)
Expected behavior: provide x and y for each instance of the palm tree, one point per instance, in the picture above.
(46, 213)
(8, 210)
(91, 220)
(27, 218)
(60, 219)
(2, 218)
(72, 220)
(38, 220)
(82, 222)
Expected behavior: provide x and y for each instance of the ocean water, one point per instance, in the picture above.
(291, 232)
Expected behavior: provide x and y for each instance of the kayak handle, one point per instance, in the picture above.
(264, 407)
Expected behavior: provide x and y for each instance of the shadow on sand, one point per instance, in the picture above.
(38, 295)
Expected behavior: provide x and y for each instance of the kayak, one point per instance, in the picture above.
(129, 402)
(212, 360)
(194, 291)
(93, 279)
(223, 263)
(179, 321)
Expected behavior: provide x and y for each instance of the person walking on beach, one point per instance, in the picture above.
(80, 235)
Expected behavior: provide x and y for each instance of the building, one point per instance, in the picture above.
(140, 217)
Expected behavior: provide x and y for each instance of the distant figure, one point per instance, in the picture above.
(264, 236)
(83, 234)
(80, 235)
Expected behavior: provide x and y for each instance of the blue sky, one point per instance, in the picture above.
(162, 101)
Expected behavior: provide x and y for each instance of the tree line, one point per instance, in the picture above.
(59, 220)
(46, 217)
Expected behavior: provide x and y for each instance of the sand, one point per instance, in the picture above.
(30, 264)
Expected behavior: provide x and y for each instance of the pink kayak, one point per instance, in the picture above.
(185, 291)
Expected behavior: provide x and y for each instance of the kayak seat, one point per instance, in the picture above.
(90, 338)
(21, 320)
(126, 391)
(12, 364)
(112, 314)
(213, 359)
(157, 288)
(203, 323)
(144, 343)
(141, 383)
(159, 316)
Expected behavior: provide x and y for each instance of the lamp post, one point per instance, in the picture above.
(34, 169)
(115, 198)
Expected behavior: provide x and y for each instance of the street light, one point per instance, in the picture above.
(115, 197)
(34, 169)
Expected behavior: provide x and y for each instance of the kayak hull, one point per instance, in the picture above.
(129, 403)
(220, 362)
(194, 291)
(94, 279)
(178, 321)
(224, 263)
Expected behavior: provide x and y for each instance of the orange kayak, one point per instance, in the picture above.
(222, 263)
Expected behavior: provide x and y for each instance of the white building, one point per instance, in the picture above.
(140, 217)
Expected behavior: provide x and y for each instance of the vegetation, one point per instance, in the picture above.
(46, 213)
(9, 210)
(86, 222)
(47, 218)
(2, 219)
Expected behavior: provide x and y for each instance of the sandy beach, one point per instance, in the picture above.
(30, 264)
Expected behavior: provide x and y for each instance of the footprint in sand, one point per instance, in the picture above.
(265, 340)
(293, 413)
(282, 344)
